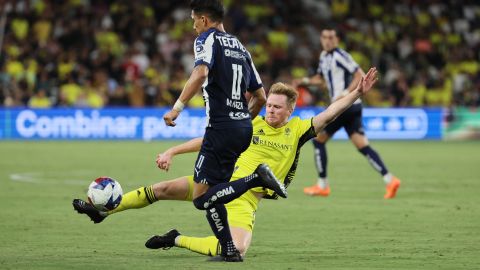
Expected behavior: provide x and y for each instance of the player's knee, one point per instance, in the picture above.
(363, 148)
(359, 140)
(199, 203)
(321, 138)
(161, 190)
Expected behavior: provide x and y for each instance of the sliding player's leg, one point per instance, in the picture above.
(177, 189)
(208, 245)
(241, 217)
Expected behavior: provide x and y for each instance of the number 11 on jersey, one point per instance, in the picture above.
(237, 80)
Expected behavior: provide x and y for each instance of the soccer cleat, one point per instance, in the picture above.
(392, 188)
(316, 190)
(165, 241)
(229, 257)
(82, 207)
(270, 181)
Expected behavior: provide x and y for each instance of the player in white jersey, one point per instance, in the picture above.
(339, 73)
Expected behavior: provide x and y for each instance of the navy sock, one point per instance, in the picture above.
(320, 155)
(218, 219)
(226, 192)
(374, 159)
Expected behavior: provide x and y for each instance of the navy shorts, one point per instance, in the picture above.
(351, 120)
(219, 153)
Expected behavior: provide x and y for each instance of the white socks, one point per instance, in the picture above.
(177, 241)
(322, 182)
(387, 178)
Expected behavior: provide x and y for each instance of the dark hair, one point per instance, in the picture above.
(329, 27)
(213, 8)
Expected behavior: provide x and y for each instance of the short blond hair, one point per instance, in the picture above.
(286, 90)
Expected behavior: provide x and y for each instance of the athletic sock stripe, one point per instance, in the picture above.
(152, 194)
(145, 189)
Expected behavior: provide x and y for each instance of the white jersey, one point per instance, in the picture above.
(337, 68)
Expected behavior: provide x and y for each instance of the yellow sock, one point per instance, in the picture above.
(203, 245)
(138, 198)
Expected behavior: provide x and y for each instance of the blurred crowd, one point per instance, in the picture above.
(86, 53)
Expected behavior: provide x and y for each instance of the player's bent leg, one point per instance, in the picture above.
(217, 218)
(241, 216)
(199, 189)
(242, 239)
(322, 188)
(214, 165)
(177, 189)
(203, 245)
(392, 183)
(226, 192)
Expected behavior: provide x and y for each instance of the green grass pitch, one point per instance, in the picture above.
(434, 223)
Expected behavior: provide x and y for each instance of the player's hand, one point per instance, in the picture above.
(368, 81)
(170, 117)
(164, 160)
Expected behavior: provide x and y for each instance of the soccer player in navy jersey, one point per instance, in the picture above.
(340, 74)
(225, 71)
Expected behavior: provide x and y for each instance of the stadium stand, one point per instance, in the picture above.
(139, 53)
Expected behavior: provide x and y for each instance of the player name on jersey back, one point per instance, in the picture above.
(231, 74)
(234, 44)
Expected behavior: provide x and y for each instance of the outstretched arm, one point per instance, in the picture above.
(197, 78)
(165, 159)
(338, 107)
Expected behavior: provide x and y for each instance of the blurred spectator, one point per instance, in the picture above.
(40, 100)
(71, 93)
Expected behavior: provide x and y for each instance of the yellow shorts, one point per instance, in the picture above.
(241, 211)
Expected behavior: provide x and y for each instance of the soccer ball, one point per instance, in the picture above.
(105, 193)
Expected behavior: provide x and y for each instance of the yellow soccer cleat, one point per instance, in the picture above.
(392, 188)
(316, 190)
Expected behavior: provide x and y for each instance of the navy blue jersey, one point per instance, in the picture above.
(231, 73)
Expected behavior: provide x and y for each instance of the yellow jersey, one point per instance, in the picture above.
(277, 147)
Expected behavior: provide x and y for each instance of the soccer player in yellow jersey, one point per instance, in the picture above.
(276, 141)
